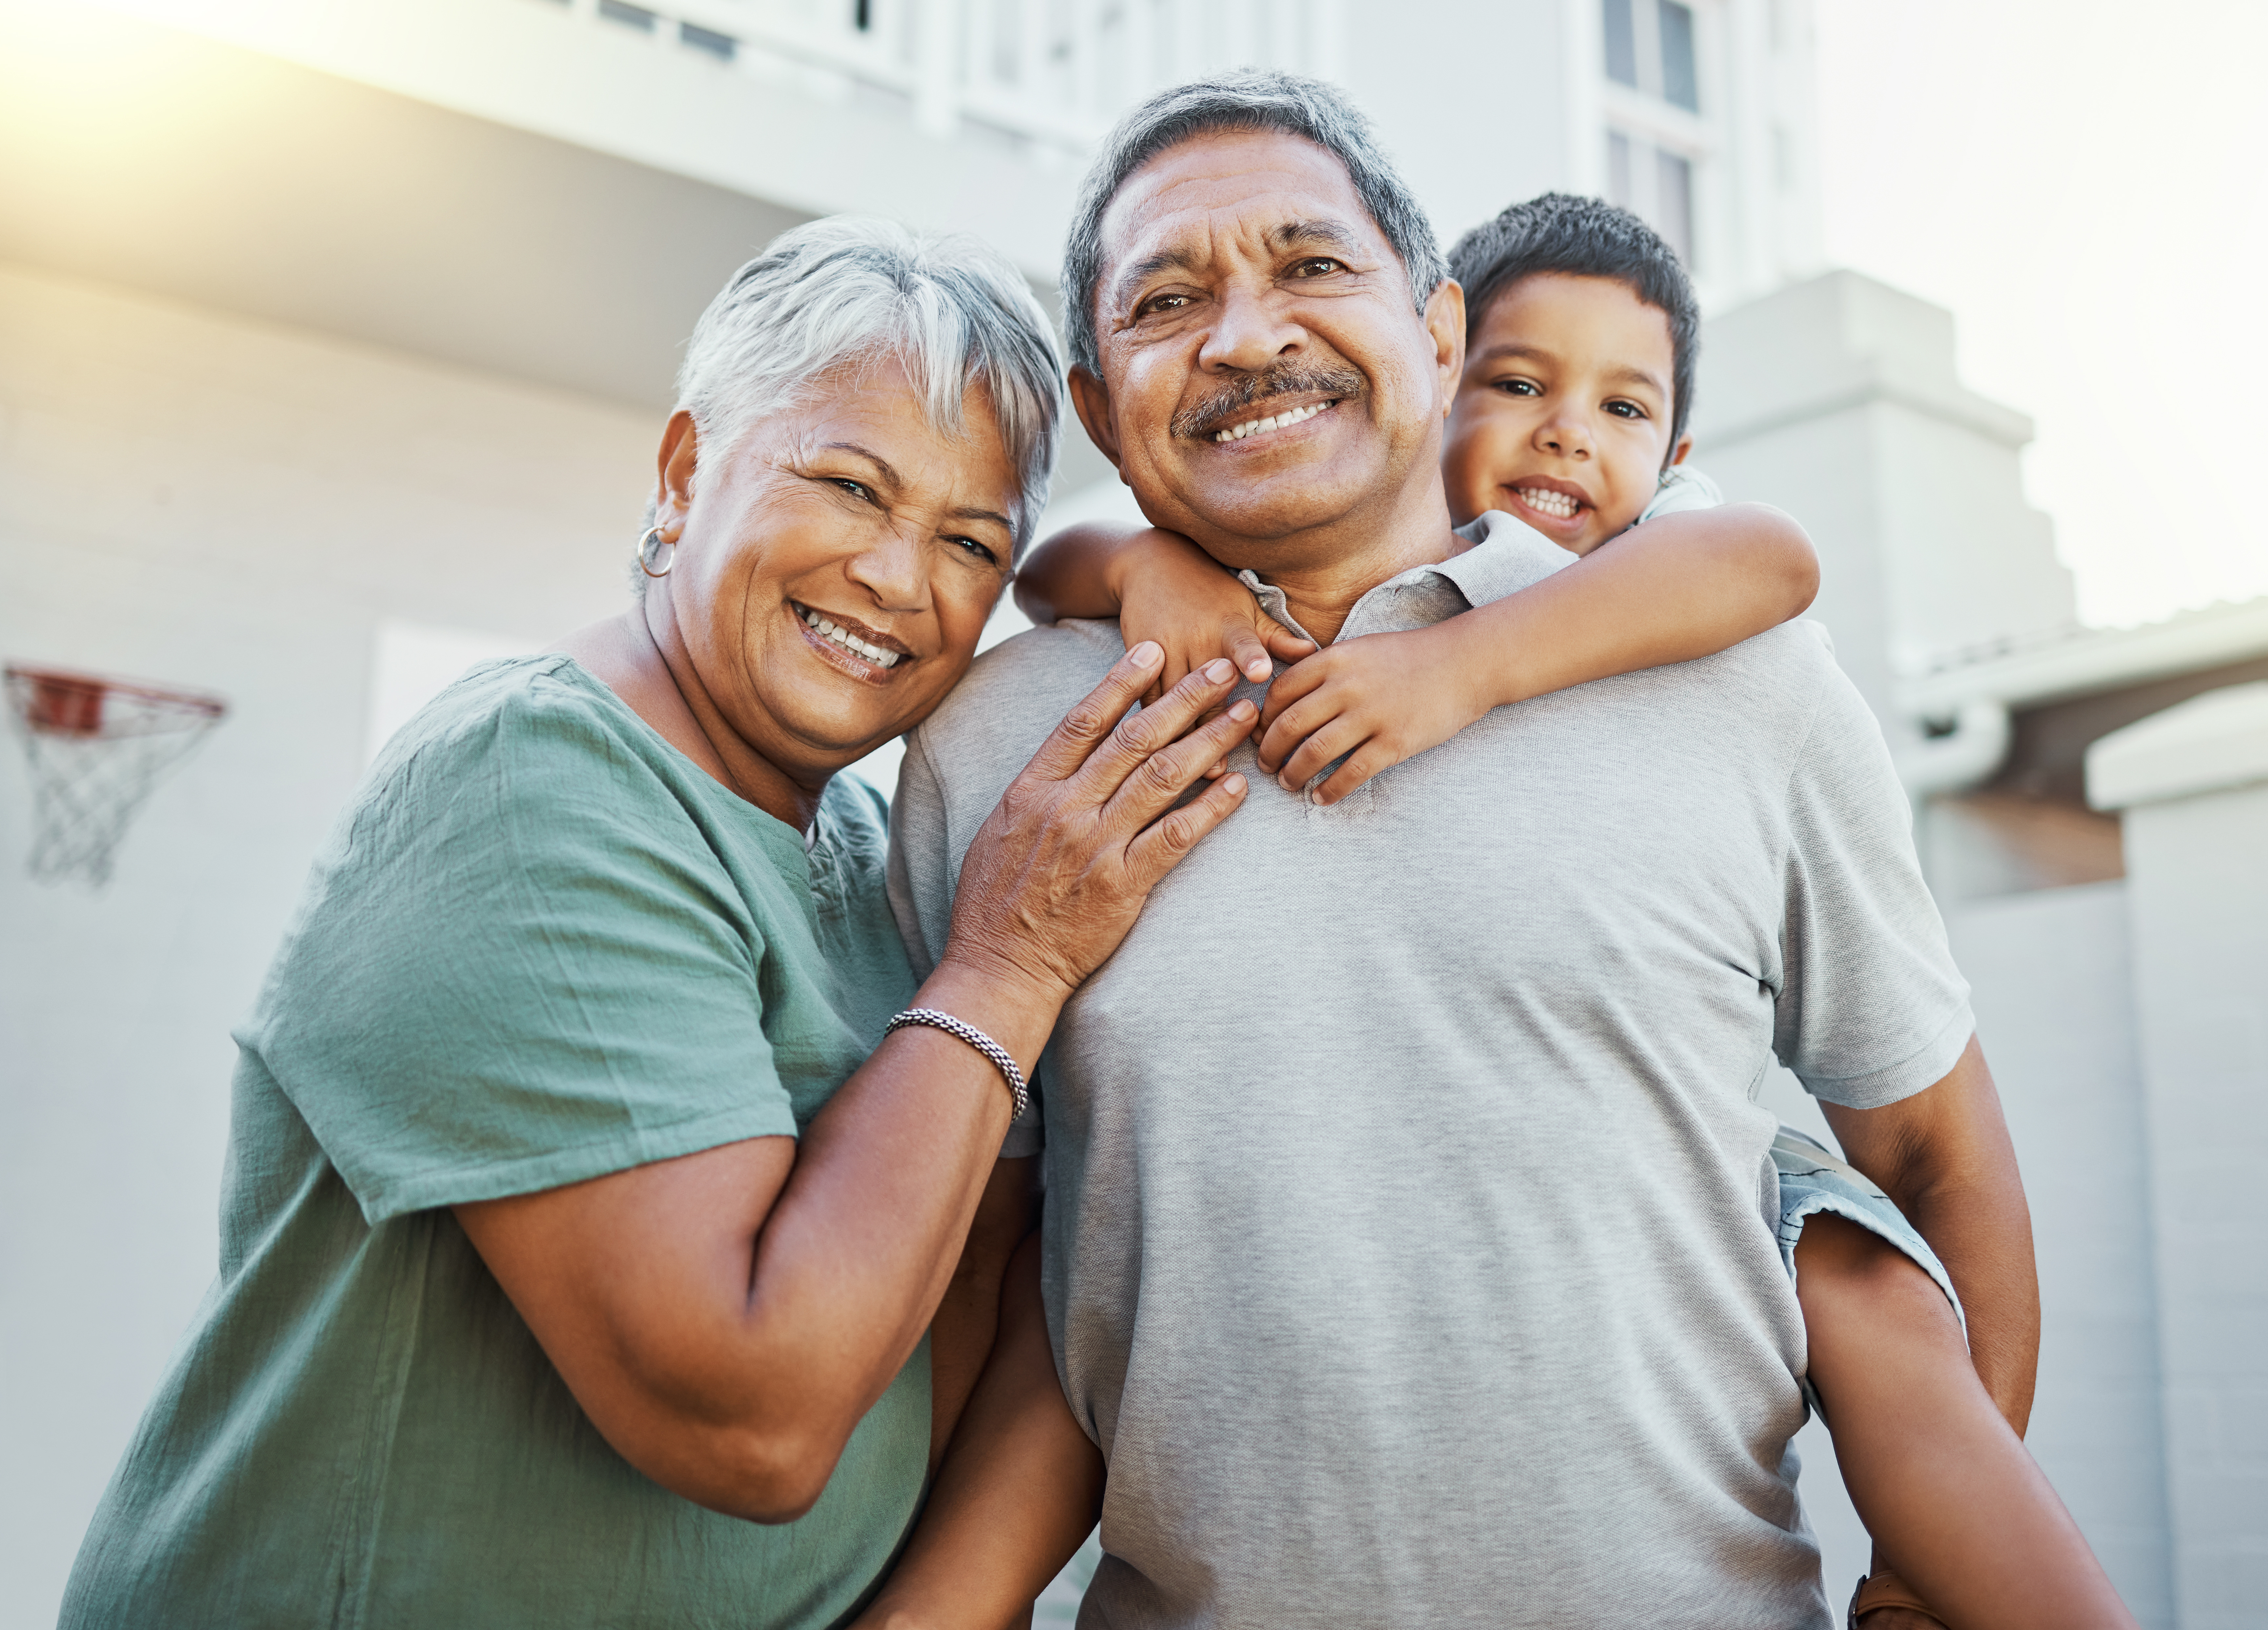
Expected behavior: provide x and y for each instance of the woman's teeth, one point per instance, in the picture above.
(1292, 415)
(1558, 505)
(874, 654)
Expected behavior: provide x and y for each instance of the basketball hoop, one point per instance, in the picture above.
(97, 746)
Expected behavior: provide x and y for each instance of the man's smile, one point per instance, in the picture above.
(1283, 420)
(1274, 399)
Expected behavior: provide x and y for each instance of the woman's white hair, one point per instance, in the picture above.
(850, 289)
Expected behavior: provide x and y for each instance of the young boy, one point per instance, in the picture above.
(1571, 416)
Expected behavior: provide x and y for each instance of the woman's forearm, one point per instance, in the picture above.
(1072, 574)
(1019, 1490)
(1683, 586)
(856, 1257)
(727, 1317)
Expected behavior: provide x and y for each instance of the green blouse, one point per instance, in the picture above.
(540, 946)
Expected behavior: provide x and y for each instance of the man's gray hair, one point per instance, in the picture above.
(1251, 100)
(850, 289)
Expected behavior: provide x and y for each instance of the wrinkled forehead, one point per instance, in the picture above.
(1208, 203)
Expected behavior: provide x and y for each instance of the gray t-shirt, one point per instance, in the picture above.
(1409, 1235)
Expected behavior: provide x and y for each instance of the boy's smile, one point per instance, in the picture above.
(1563, 416)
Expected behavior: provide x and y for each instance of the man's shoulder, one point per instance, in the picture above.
(1757, 703)
(1014, 694)
(1783, 670)
(1801, 647)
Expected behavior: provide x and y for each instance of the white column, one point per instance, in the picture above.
(2193, 784)
(937, 99)
(1838, 399)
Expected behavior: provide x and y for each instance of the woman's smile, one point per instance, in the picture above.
(846, 643)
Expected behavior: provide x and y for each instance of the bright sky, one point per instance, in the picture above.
(2086, 185)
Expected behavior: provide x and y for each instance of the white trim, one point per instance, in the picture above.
(1075, 70)
(1662, 123)
(1584, 67)
(2089, 662)
(2208, 744)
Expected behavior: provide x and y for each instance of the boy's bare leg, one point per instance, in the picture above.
(1954, 1501)
(1018, 1494)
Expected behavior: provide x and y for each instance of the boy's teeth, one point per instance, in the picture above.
(874, 654)
(1292, 415)
(1553, 503)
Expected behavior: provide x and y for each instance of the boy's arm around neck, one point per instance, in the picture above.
(1160, 586)
(1075, 572)
(1682, 586)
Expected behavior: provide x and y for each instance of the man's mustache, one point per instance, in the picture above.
(1232, 403)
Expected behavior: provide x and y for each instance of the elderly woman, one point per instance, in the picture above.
(597, 1171)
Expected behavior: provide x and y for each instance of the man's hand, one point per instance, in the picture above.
(1373, 701)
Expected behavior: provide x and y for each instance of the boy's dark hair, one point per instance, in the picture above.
(1584, 237)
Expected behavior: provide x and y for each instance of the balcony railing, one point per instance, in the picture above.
(1055, 73)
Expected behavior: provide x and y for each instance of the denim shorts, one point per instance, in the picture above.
(1812, 1180)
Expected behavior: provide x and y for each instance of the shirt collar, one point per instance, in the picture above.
(1505, 556)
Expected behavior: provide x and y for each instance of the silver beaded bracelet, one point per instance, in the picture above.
(1019, 1091)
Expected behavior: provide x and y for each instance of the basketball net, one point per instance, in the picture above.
(97, 747)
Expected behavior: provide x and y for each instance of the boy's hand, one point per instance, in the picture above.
(1174, 592)
(1375, 700)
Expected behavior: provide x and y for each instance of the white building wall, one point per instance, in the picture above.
(2054, 989)
(1468, 150)
(219, 505)
(796, 134)
(1837, 398)
(2194, 782)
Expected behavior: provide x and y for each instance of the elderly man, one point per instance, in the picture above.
(1418, 1268)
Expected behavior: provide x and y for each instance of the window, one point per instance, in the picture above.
(1650, 49)
(411, 662)
(1654, 184)
(1673, 202)
(1654, 144)
(695, 38)
(635, 16)
(1622, 43)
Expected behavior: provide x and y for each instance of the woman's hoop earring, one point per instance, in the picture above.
(649, 547)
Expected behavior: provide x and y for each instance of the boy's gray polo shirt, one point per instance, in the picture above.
(1409, 1242)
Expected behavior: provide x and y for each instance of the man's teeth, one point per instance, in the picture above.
(874, 654)
(1290, 416)
(1559, 505)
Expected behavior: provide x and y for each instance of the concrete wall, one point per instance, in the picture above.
(221, 504)
(2053, 984)
(2193, 782)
